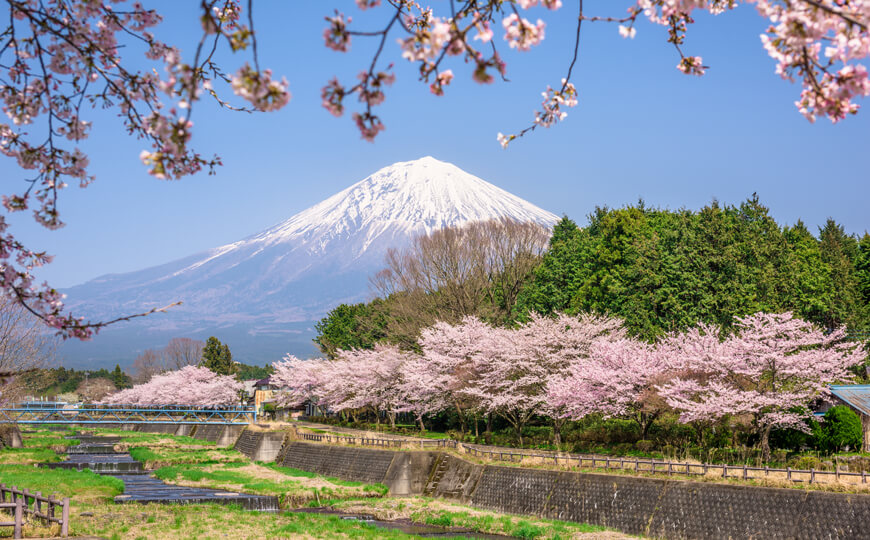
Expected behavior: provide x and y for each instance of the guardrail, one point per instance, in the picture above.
(127, 415)
(23, 503)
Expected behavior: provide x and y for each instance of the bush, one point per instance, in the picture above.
(841, 429)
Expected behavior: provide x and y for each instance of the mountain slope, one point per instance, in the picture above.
(300, 268)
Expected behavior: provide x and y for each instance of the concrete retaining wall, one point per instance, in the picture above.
(404, 473)
(222, 435)
(260, 445)
(649, 506)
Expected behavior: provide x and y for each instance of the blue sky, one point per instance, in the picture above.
(642, 130)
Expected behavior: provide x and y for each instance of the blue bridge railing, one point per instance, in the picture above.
(126, 415)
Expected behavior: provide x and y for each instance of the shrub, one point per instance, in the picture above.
(841, 429)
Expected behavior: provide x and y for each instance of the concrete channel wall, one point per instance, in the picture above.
(260, 445)
(221, 434)
(652, 507)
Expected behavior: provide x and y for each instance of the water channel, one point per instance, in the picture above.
(99, 455)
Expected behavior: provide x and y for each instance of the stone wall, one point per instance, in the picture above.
(654, 507)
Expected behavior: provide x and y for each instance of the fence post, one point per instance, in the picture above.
(725, 471)
(64, 526)
(812, 475)
(744, 471)
(788, 473)
(19, 518)
(37, 502)
(863, 477)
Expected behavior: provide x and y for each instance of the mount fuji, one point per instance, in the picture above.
(261, 294)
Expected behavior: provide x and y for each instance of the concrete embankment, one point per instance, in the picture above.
(653, 507)
(221, 434)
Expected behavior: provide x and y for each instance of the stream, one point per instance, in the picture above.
(98, 454)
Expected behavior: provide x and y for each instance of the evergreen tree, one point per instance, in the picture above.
(119, 378)
(840, 253)
(217, 357)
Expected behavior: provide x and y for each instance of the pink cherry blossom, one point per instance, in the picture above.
(190, 386)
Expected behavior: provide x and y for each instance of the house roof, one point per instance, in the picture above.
(265, 382)
(856, 396)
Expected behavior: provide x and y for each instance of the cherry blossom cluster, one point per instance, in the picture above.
(190, 386)
(819, 42)
(771, 368)
(59, 60)
(470, 366)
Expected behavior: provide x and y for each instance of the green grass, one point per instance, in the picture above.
(47, 440)
(137, 438)
(28, 456)
(290, 486)
(218, 521)
(69, 483)
(163, 456)
(290, 471)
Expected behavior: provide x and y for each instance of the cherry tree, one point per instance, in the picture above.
(369, 378)
(771, 369)
(298, 380)
(452, 352)
(190, 386)
(62, 58)
(617, 378)
(517, 367)
(561, 342)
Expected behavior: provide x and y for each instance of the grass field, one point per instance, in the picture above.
(194, 462)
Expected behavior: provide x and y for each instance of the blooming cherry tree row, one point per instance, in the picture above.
(771, 368)
(189, 386)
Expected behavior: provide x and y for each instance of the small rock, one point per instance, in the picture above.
(87, 514)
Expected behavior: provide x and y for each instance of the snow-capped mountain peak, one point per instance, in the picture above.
(300, 268)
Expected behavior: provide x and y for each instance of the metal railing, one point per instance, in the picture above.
(127, 415)
(23, 503)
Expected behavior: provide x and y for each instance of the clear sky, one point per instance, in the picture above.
(642, 130)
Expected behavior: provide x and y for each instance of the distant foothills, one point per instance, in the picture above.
(422, 241)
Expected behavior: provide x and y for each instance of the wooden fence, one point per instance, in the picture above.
(585, 461)
(23, 503)
(383, 443)
(654, 466)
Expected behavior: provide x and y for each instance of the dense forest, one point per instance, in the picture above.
(659, 270)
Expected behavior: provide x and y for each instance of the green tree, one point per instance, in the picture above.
(663, 270)
(351, 326)
(840, 253)
(217, 357)
(119, 378)
(841, 429)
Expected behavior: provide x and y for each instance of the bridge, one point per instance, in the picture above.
(126, 415)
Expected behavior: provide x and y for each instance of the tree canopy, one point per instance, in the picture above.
(217, 357)
(663, 270)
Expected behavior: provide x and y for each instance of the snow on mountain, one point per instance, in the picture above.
(300, 268)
